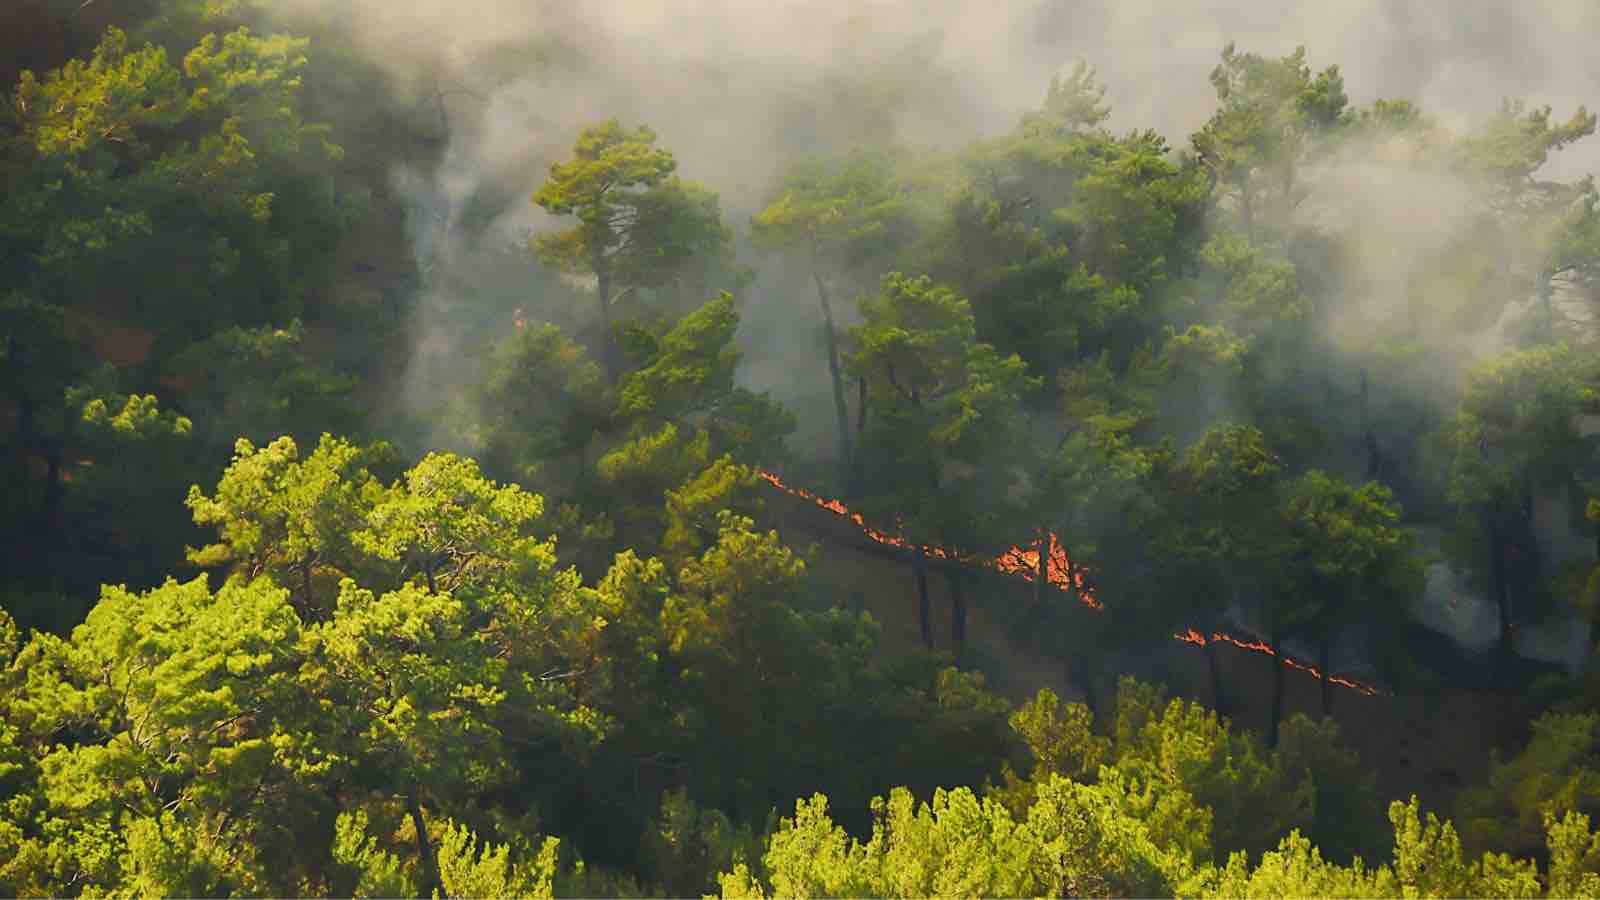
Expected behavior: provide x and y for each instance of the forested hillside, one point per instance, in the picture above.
(484, 451)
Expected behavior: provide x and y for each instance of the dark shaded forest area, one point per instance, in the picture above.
(417, 484)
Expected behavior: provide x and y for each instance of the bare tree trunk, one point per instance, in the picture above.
(958, 612)
(1078, 671)
(1277, 693)
(305, 589)
(1545, 291)
(1247, 211)
(53, 489)
(831, 339)
(430, 863)
(1288, 201)
(1374, 452)
(1594, 615)
(919, 566)
(1214, 668)
(1502, 596)
(861, 410)
(1327, 673)
(607, 352)
(1594, 633)
(861, 432)
(24, 447)
(1042, 578)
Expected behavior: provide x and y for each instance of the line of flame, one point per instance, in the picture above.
(1018, 562)
(1023, 562)
(1199, 640)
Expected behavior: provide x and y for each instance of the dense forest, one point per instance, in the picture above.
(417, 485)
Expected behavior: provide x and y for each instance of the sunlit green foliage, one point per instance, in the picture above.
(1552, 775)
(130, 168)
(540, 403)
(1515, 431)
(637, 224)
(689, 846)
(361, 867)
(690, 366)
(405, 677)
(937, 397)
(1103, 838)
(1270, 113)
(1072, 843)
(187, 731)
(468, 869)
(258, 383)
(288, 519)
(842, 218)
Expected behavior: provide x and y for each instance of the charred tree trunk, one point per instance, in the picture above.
(858, 461)
(861, 410)
(1326, 665)
(1546, 291)
(1594, 615)
(919, 566)
(430, 863)
(1041, 579)
(1502, 594)
(1247, 210)
(1287, 202)
(1214, 669)
(209, 406)
(607, 352)
(958, 613)
(24, 412)
(1594, 632)
(1277, 693)
(305, 589)
(24, 434)
(45, 522)
(1369, 438)
(831, 341)
(1080, 673)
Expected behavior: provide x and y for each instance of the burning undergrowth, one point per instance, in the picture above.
(1059, 570)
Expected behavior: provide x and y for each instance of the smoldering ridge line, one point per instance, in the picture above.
(1023, 563)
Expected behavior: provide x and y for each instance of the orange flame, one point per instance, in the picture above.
(1194, 637)
(1023, 562)
(1019, 562)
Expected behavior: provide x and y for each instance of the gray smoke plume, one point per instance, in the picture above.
(738, 90)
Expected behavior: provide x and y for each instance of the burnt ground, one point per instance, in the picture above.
(1429, 741)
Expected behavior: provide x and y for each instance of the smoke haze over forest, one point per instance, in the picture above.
(741, 91)
(738, 89)
(528, 447)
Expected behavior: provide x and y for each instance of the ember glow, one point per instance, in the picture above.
(1200, 640)
(1023, 562)
(1018, 562)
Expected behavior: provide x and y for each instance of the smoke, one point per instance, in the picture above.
(739, 90)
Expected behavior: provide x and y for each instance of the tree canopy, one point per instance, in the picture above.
(412, 483)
